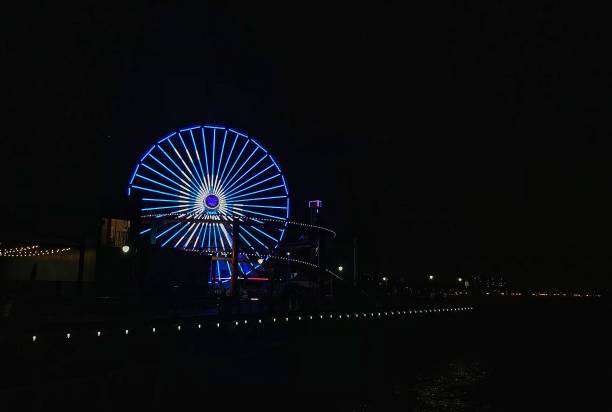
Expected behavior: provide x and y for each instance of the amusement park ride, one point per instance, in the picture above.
(216, 191)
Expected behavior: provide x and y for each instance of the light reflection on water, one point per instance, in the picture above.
(456, 389)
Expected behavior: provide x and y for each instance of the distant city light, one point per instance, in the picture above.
(384, 279)
(340, 268)
(260, 261)
(431, 277)
(125, 249)
(460, 279)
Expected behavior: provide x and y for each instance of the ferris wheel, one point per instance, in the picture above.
(211, 175)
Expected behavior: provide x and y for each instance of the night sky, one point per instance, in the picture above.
(447, 138)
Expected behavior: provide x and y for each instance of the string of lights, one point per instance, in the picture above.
(229, 218)
(217, 252)
(18, 249)
(31, 251)
(273, 320)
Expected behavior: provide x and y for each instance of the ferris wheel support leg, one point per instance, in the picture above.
(235, 244)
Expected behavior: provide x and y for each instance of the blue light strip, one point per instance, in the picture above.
(263, 206)
(168, 169)
(218, 231)
(228, 158)
(206, 158)
(191, 160)
(229, 196)
(212, 158)
(235, 161)
(236, 181)
(145, 231)
(193, 178)
(263, 198)
(169, 179)
(253, 236)
(227, 237)
(246, 241)
(195, 148)
(257, 191)
(241, 166)
(264, 233)
(191, 225)
(274, 161)
(166, 138)
(260, 214)
(180, 169)
(167, 230)
(176, 233)
(204, 236)
(134, 173)
(147, 153)
(153, 190)
(154, 199)
(195, 243)
(190, 196)
(221, 156)
(145, 209)
(249, 179)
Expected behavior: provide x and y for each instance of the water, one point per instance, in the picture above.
(507, 355)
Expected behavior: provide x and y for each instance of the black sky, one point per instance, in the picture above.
(467, 138)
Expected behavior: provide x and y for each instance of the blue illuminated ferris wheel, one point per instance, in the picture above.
(204, 177)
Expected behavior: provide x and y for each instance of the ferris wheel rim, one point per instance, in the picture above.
(195, 178)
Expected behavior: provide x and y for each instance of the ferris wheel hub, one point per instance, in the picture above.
(211, 201)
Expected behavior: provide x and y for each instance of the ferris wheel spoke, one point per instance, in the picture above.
(146, 189)
(206, 158)
(214, 232)
(204, 236)
(165, 185)
(254, 237)
(247, 242)
(246, 143)
(180, 169)
(232, 183)
(195, 229)
(212, 159)
(197, 152)
(187, 168)
(221, 155)
(146, 209)
(263, 233)
(194, 189)
(227, 159)
(155, 199)
(234, 187)
(179, 230)
(167, 230)
(195, 242)
(195, 169)
(188, 189)
(242, 165)
(261, 206)
(227, 236)
(221, 241)
(229, 195)
(191, 225)
(259, 213)
(257, 191)
(255, 199)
